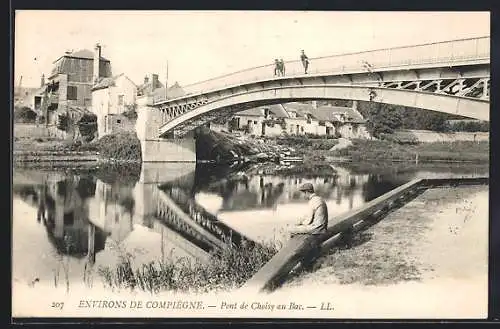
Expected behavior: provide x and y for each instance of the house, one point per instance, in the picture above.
(24, 96)
(302, 121)
(297, 118)
(260, 121)
(151, 84)
(326, 120)
(72, 78)
(174, 91)
(111, 98)
(68, 90)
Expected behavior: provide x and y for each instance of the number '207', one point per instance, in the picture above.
(58, 305)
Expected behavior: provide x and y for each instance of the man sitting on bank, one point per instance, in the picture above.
(316, 219)
(314, 223)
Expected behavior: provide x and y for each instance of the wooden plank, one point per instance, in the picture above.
(272, 273)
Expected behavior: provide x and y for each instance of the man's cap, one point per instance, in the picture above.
(307, 187)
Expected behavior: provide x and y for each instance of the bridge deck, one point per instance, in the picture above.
(448, 52)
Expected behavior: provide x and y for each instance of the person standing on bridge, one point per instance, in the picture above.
(276, 67)
(282, 67)
(305, 61)
(314, 223)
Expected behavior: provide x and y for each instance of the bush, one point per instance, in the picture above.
(470, 126)
(120, 146)
(226, 269)
(24, 115)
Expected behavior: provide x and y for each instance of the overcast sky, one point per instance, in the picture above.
(200, 45)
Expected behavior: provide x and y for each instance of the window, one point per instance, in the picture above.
(255, 121)
(120, 99)
(72, 93)
(118, 121)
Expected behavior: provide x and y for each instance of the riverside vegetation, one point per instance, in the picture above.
(226, 269)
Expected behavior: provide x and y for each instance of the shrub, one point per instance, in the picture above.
(120, 146)
(24, 115)
(227, 268)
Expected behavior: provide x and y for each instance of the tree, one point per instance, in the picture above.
(382, 118)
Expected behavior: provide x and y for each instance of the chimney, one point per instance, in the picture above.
(154, 81)
(146, 80)
(97, 60)
(42, 80)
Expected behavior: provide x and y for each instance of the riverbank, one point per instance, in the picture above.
(438, 238)
(226, 147)
(110, 148)
(380, 150)
(323, 149)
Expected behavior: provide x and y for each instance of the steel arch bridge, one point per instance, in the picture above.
(450, 76)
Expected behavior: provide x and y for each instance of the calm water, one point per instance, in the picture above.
(65, 220)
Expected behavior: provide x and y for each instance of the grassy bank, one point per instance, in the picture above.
(407, 245)
(123, 146)
(363, 150)
(225, 270)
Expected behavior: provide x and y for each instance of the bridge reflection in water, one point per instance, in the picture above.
(163, 214)
(89, 217)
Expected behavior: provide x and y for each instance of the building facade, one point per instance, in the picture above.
(71, 81)
(297, 119)
(260, 121)
(111, 98)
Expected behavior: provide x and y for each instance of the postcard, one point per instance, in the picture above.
(251, 164)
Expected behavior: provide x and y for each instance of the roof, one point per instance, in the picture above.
(82, 53)
(277, 110)
(328, 113)
(173, 91)
(147, 86)
(108, 82)
(325, 113)
(297, 107)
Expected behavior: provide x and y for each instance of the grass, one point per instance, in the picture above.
(226, 269)
(363, 150)
(123, 146)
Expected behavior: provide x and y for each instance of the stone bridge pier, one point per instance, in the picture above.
(154, 148)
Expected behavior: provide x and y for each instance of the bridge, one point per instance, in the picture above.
(451, 77)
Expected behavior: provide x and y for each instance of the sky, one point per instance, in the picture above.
(200, 45)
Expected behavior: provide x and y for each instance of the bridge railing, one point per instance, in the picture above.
(451, 52)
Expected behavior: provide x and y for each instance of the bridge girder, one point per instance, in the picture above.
(450, 87)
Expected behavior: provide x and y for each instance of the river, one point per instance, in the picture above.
(64, 220)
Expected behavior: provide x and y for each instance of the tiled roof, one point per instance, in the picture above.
(83, 53)
(173, 91)
(106, 82)
(147, 86)
(277, 110)
(325, 113)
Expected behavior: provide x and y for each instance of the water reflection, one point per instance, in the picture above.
(168, 213)
(62, 208)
